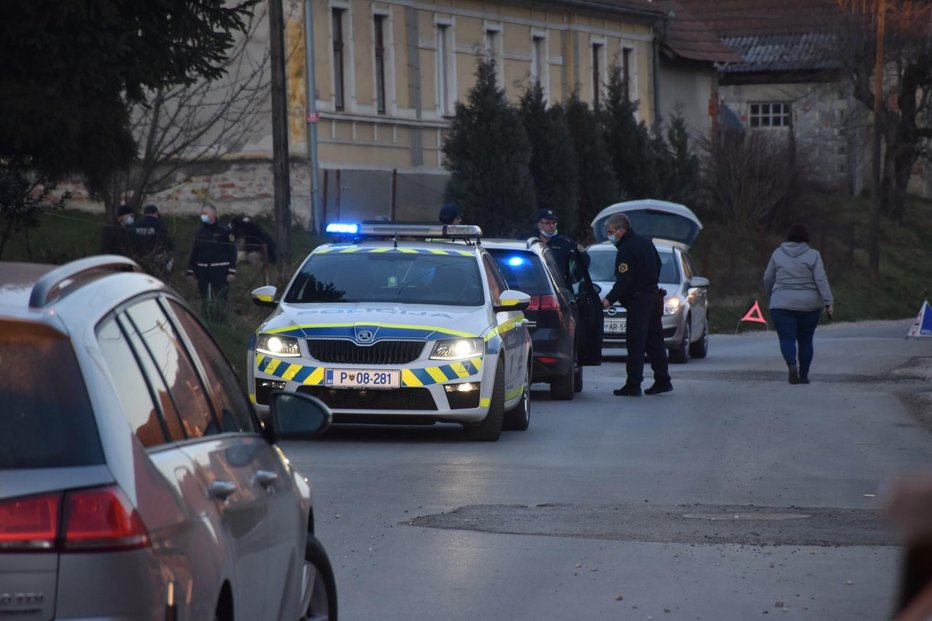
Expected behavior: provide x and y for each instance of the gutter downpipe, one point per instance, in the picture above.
(312, 117)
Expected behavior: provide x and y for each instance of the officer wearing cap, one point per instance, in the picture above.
(637, 273)
(561, 245)
(450, 214)
(213, 257)
(154, 244)
(119, 238)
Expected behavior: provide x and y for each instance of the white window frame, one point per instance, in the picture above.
(597, 61)
(493, 48)
(349, 60)
(540, 65)
(388, 60)
(445, 67)
(770, 114)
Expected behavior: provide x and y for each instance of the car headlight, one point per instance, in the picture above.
(457, 349)
(672, 306)
(276, 345)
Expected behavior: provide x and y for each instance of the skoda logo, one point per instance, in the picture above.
(612, 311)
(364, 336)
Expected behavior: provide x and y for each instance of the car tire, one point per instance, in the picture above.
(518, 418)
(318, 586)
(578, 380)
(563, 388)
(490, 429)
(681, 354)
(700, 349)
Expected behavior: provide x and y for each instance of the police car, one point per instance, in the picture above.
(399, 323)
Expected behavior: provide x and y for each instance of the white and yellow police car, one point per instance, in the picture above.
(399, 323)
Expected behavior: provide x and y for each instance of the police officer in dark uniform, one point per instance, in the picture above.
(213, 257)
(154, 243)
(119, 238)
(256, 241)
(637, 271)
(450, 214)
(560, 245)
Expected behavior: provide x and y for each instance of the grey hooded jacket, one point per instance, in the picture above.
(795, 278)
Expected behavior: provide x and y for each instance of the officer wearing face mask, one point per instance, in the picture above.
(561, 245)
(119, 238)
(213, 257)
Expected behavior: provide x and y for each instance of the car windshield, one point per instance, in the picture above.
(389, 275)
(602, 266)
(522, 270)
(46, 419)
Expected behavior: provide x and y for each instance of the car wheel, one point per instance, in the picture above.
(490, 429)
(577, 380)
(700, 349)
(681, 354)
(562, 388)
(519, 417)
(318, 586)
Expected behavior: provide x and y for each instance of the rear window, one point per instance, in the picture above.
(602, 266)
(46, 419)
(389, 275)
(522, 271)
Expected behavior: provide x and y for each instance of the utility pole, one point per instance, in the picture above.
(877, 146)
(312, 117)
(280, 176)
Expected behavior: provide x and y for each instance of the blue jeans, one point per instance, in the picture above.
(796, 328)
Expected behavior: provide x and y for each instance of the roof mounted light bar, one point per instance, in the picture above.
(390, 230)
(57, 282)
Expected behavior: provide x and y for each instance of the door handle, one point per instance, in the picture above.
(221, 490)
(266, 477)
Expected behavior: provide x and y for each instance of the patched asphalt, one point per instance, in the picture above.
(689, 524)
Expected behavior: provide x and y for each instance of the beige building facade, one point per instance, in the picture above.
(389, 74)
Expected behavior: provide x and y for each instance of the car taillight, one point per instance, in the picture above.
(74, 521)
(29, 523)
(544, 302)
(102, 518)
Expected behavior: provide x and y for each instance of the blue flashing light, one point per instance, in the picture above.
(342, 228)
(516, 261)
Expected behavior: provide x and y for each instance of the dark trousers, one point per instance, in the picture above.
(212, 281)
(644, 334)
(796, 328)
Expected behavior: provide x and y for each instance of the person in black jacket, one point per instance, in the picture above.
(213, 257)
(258, 245)
(560, 245)
(637, 272)
(154, 244)
(119, 238)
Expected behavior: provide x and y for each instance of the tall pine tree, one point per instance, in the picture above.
(553, 159)
(595, 178)
(487, 153)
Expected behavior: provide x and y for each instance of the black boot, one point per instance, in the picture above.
(793, 374)
(627, 391)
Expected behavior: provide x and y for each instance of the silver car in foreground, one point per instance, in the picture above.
(674, 228)
(135, 479)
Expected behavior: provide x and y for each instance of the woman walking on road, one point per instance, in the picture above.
(798, 288)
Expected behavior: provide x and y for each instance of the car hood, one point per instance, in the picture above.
(371, 322)
(653, 218)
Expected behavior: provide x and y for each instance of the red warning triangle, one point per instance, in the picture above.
(754, 314)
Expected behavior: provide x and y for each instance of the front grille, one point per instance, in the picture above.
(351, 399)
(341, 351)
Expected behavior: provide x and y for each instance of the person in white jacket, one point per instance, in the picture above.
(798, 288)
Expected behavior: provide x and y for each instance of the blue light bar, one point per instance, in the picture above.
(516, 261)
(342, 228)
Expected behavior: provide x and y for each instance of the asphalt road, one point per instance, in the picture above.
(738, 495)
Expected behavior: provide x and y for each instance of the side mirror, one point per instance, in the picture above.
(698, 281)
(512, 300)
(264, 296)
(298, 416)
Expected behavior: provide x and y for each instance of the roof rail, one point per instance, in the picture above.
(53, 285)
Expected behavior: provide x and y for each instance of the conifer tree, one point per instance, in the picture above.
(595, 178)
(553, 159)
(487, 153)
(682, 182)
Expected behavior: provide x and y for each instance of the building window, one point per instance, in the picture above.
(339, 73)
(493, 50)
(597, 49)
(538, 60)
(379, 39)
(769, 115)
(443, 72)
(626, 72)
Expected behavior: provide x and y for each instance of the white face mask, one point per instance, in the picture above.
(128, 221)
(546, 233)
(205, 218)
